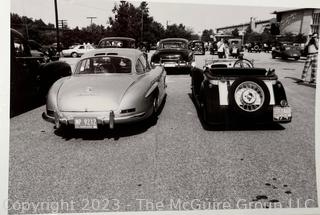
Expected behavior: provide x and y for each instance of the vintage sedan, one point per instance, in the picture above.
(197, 46)
(173, 53)
(246, 95)
(286, 50)
(77, 51)
(108, 87)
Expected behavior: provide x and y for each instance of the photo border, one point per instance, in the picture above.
(5, 128)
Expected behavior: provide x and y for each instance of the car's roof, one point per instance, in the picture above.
(133, 54)
(118, 38)
(176, 39)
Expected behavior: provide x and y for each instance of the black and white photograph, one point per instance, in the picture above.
(162, 106)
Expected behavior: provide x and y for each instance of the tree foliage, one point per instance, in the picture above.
(206, 35)
(127, 21)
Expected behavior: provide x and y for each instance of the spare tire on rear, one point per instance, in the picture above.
(249, 96)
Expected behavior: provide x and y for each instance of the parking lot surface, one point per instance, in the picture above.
(176, 159)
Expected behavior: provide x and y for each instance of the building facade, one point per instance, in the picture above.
(299, 21)
(256, 26)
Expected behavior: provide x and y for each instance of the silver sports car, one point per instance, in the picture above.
(108, 86)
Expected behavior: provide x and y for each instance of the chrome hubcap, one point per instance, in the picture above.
(249, 96)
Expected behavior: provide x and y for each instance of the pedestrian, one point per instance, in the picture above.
(226, 49)
(221, 48)
(312, 55)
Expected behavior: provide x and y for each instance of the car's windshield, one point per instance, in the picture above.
(104, 64)
(173, 45)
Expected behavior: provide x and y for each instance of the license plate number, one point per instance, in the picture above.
(282, 113)
(169, 65)
(85, 123)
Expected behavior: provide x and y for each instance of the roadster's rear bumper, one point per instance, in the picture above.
(102, 118)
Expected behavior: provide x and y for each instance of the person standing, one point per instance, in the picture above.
(221, 48)
(312, 48)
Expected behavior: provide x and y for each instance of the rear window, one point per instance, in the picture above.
(173, 45)
(104, 64)
(114, 43)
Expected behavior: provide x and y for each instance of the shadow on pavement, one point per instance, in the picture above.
(177, 71)
(235, 126)
(121, 130)
(307, 84)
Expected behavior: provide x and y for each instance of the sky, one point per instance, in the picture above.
(196, 16)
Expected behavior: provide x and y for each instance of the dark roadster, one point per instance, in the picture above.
(226, 95)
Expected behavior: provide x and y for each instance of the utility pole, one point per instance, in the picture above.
(167, 23)
(142, 26)
(91, 18)
(57, 25)
(63, 23)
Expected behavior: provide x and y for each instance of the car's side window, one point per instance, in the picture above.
(85, 65)
(139, 67)
(81, 47)
(19, 48)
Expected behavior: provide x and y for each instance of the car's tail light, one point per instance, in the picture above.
(283, 103)
(128, 110)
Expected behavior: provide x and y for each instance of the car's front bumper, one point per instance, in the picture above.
(109, 118)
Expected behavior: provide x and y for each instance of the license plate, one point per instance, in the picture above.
(281, 113)
(169, 65)
(85, 123)
(295, 55)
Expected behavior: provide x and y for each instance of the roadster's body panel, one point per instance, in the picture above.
(130, 90)
(227, 95)
(173, 53)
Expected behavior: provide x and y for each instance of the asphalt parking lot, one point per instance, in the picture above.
(172, 160)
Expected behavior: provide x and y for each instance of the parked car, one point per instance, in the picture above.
(117, 42)
(38, 50)
(77, 50)
(173, 53)
(235, 47)
(31, 76)
(245, 95)
(254, 47)
(109, 86)
(286, 50)
(197, 46)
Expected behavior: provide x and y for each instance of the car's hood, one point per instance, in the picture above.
(101, 92)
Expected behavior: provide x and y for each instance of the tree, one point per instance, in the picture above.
(235, 32)
(180, 31)
(206, 35)
(135, 22)
(275, 29)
